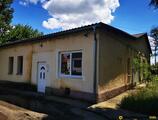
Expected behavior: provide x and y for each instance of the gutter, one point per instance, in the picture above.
(95, 63)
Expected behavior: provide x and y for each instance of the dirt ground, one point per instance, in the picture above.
(41, 110)
(112, 103)
(23, 105)
(12, 112)
(110, 108)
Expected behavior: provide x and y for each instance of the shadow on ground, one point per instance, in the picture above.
(59, 108)
(114, 114)
(55, 110)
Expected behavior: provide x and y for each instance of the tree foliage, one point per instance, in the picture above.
(154, 35)
(143, 67)
(154, 69)
(154, 3)
(20, 32)
(5, 16)
(11, 33)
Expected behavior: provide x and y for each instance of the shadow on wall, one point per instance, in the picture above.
(114, 78)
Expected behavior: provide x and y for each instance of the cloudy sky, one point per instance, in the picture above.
(133, 16)
(48, 16)
(66, 14)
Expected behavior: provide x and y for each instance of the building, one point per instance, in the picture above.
(92, 62)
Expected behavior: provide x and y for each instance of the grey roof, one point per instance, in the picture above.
(65, 32)
(138, 35)
(75, 30)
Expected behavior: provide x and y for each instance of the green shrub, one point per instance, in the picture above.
(144, 101)
(154, 69)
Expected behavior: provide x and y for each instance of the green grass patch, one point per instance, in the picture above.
(144, 100)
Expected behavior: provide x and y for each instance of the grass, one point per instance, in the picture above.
(144, 100)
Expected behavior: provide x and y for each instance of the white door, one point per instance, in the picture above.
(42, 75)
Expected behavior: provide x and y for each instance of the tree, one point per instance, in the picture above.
(5, 16)
(154, 35)
(20, 32)
(154, 3)
(12, 33)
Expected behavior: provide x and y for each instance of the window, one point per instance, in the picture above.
(10, 65)
(20, 65)
(71, 63)
(65, 63)
(76, 64)
(129, 70)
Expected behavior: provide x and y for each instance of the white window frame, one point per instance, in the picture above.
(70, 75)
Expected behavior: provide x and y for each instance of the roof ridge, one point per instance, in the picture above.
(68, 31)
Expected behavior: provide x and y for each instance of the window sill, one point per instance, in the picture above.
(71, 77)
(19, 74)
(10, 73)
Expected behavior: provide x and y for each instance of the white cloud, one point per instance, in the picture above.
(26, 2)
(23, 3)
(74, 13)
(51, 23)
(68, 14)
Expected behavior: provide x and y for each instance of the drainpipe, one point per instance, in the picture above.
(95, 63)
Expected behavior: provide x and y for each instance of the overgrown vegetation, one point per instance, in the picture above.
(154, 69)
(6, 15)
(145, 100)
(142, 67)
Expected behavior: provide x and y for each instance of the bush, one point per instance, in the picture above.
(144, 101)
(154, 69)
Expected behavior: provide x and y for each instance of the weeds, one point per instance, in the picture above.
(144, 100)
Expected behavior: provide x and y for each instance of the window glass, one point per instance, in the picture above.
(20, 65)
(44, 75)
(128, 70)
(71, 63)
(65, 63)
(77, 63)
(40, 75)
(11, 63)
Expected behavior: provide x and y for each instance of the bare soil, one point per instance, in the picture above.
(12, 112)
(15, 107)
(17, 104)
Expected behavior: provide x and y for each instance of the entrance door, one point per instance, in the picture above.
(41, 77)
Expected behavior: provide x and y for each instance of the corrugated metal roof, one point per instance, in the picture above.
(138, 35)
(70, 31)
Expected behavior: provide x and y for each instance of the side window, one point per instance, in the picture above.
(20, 65)
(10, 65)
(65, 64)
(128, 70)
(76, 63)
(71, 63)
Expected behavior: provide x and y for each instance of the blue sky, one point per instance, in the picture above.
(132, 16)
(135, 16)
(32, 15)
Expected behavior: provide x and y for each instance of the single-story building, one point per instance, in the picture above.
(92, 62)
